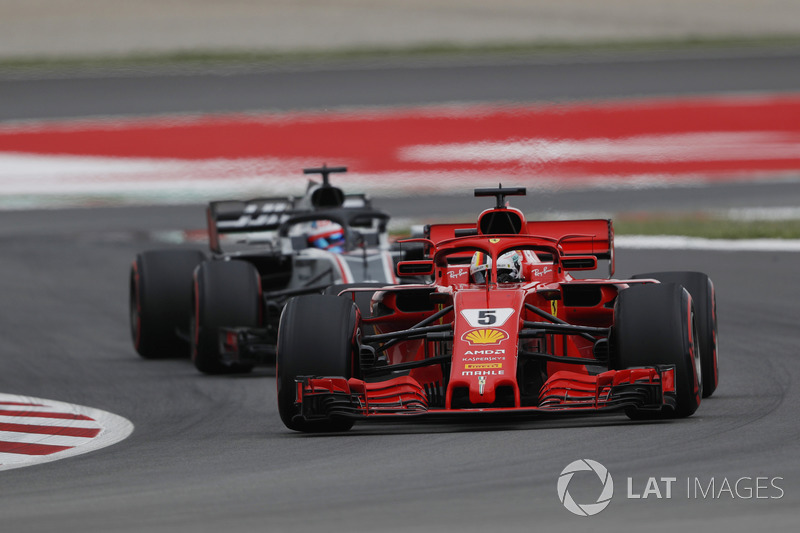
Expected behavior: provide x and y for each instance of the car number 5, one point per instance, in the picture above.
(487, 317)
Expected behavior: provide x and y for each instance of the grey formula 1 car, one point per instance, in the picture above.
(225, 307)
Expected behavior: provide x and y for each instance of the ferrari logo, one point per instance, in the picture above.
(553, 307)
(481, 384)
(494, 241)
(484, 336)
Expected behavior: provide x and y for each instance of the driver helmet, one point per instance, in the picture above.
(326, 235)
(509, 267)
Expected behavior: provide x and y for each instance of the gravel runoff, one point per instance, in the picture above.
(63, 28)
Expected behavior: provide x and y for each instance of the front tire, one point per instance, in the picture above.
(226, 294)
(317, 336)
(654, 324)
(160, 297)
(701, 288)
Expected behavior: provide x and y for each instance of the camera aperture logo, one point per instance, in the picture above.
(586, 487)
(585, 509)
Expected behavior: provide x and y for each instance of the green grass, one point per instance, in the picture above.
(707, 226)
(206, 58)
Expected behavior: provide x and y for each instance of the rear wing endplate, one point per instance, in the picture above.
(245, 216)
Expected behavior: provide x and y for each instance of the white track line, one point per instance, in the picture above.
(36, 421)
(112, 429)
(50, 440)
(674, 242)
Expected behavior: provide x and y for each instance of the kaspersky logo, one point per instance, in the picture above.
(566, 479)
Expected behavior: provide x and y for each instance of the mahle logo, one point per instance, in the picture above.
(585, 509)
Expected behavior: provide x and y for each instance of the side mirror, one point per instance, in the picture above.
(415, 268)
(579, 262)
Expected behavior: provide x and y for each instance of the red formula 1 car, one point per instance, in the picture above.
(502, 328)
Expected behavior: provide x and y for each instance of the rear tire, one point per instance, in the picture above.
(654, 324)
(701, 288)
(160, 301)
(316, 337)
(226, 294)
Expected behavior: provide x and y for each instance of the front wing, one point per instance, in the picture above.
(564, 392)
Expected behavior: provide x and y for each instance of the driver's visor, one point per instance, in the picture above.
(480, 276)
(506, 275)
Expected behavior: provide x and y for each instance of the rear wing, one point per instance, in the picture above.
(576, 237)
(268, 214)
(246, 216)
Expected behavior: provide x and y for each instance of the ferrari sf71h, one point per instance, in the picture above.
(500, 328)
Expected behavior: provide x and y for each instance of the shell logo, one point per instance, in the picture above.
(484, 336)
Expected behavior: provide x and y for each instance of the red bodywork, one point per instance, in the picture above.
(457, 348)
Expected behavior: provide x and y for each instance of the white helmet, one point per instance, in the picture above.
(509, 267)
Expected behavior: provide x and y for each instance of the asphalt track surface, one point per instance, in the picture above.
(36, 94)
(210, 454)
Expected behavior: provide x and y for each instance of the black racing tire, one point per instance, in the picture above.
(701, 288)
(317, 336)
(225, 294)
(160, 301)
(654, 324)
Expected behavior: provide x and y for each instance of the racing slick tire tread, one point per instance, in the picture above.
(226, 294)
(160, 301)
(701, 288)
(316, 337)
(655, 325)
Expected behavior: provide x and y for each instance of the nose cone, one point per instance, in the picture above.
(484, 360)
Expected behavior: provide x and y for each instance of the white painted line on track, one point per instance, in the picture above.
(675, 242)
(679, 147)
(37, 421)
(83, 424)
(35, 430)
(49, 440)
